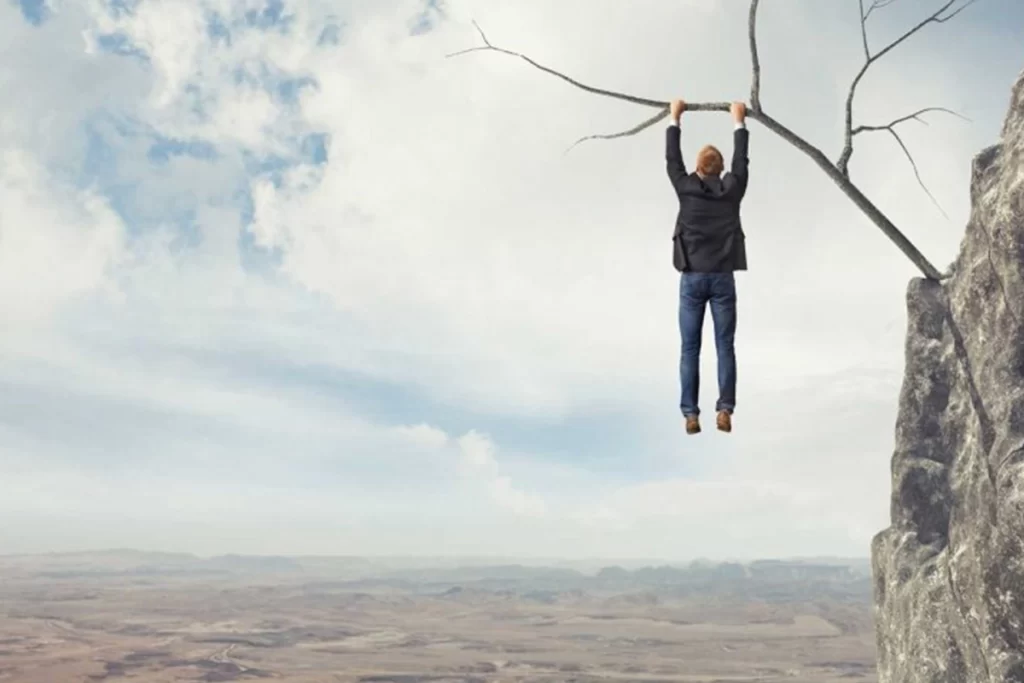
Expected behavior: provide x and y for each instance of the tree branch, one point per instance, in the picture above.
(755, 62)
(937, 17)
(864, 27)
(877, 4)
(487, 46)
(917, 173)
(626, 133)
(815, 154)
(891, 129)
(916, 116)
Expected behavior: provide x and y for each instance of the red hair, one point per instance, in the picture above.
(709, 161)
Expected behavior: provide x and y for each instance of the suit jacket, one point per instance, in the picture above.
(709, 236)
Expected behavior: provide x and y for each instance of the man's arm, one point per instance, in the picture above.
(740, 138)
(673, 154)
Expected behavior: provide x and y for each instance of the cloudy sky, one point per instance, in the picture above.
(277, 277)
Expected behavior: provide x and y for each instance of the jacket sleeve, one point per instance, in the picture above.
(740, 160)
(674, 158)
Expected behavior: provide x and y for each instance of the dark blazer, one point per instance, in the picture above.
(709, 236)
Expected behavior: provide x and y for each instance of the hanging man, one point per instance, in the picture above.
(708, 248)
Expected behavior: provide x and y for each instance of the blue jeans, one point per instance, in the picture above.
(696, 290)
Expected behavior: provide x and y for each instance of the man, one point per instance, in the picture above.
(708, 247)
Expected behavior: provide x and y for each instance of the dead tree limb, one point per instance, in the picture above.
(916, 116)
(891, 129)
(647, 123)
(838, 172)
(755, 62)
(487, 46)
(941, 15)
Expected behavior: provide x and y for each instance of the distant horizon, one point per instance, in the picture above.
(504, 559)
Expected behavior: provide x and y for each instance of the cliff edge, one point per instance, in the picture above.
(949, 571)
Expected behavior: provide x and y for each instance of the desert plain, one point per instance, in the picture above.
(132, 616)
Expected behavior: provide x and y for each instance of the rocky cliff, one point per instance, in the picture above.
(949, 571)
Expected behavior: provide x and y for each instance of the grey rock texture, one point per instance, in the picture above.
(949, 571)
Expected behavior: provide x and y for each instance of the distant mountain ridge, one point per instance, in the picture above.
(422, 567)
(762, 579)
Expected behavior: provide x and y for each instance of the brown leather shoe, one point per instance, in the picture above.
(692, 424)
(724, 421)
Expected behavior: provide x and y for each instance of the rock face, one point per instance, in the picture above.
(949, 571)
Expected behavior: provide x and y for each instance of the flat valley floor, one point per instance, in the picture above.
(56, 630)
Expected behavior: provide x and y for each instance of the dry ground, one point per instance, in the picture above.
(65, 631)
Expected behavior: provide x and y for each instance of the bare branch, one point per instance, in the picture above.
(755, 85)
(597, 91)
(645, 101)
(877, 4)
(864, 28)
(942, 20)
(938, 17)
(917, 173)
(935, 18)
(916, 116)
(891, 129)
(662, 105)
(626, 133)
(483, 36)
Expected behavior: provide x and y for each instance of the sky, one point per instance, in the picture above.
(278, 277)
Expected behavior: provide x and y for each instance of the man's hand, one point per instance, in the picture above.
(676, 109)
(739, 112)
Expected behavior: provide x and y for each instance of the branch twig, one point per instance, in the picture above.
(917, 173)
(877, 4)
(916, 116)
(864, 27)
(487, 46)
(755, 62)
(626, 133)
(891, 129)
(937, 17)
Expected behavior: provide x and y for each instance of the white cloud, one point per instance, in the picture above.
(480, 464)
(424, 435)
(56, 243)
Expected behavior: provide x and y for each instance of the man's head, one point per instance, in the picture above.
(709, 161)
